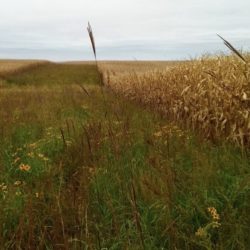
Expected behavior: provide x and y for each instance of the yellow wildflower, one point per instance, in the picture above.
(33, 145)
(158, 134)
(216, 224)
(213, 213)
(18, 193)
(31, 154)
(17, 183)
(201, 232)
(3, 187)
(16, 160)
(24, 167)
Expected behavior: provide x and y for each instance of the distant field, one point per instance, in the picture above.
(138, 67)
(127, 67)
(124, 165)
(12, 66)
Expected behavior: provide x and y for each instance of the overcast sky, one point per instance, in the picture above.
(123, 29)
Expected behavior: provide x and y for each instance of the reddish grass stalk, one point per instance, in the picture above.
(137, 214)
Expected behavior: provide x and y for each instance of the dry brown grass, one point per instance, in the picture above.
(209, 95)
(13, 66)
(138, 67)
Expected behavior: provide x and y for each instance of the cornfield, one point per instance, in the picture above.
(210, 95)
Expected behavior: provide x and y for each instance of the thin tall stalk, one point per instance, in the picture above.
(232, 48)
(100, 74)
(92, 40)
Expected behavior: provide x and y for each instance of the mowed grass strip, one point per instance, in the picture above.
(14, 66)
(55, 74)
(78, 172)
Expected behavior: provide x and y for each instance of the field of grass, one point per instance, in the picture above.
(90, 167)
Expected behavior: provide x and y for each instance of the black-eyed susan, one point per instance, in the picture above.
(24, 167)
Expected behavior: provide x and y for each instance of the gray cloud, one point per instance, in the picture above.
(162, 29)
